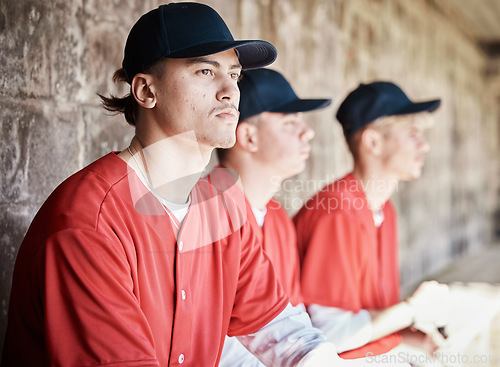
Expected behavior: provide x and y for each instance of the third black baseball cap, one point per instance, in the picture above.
(370, 101)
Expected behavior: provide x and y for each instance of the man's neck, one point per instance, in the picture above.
(259, 185)
(378, 187)
(169, 167)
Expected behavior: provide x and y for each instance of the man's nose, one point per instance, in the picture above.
(307, 133)
(228, 90)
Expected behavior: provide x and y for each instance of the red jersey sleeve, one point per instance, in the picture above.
(92, 316)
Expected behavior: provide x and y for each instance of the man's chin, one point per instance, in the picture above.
(223, 142)
(295, 171)
(412, 176)
(228, 143)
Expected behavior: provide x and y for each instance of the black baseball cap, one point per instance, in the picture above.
(266, 90)
(182, 30)
(368, 102)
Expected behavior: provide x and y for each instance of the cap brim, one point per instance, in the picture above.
(252, 54)
(303, 105)
(429, 106)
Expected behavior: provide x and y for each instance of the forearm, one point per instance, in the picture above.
(391, 320)
(347, 330)
(290, 340)
(287, 339)
(234, 354)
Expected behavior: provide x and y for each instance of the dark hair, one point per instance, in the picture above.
(353, 140)
(127, 104)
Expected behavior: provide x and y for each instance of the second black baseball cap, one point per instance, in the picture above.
(266, 90)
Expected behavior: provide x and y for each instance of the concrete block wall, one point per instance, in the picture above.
(56, 55)
(449, 211)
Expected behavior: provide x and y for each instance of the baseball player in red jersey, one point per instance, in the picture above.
(347, 233)
(272, 144)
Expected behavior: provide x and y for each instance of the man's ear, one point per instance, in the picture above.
(371, 141)
(246, 136)
(143, 90)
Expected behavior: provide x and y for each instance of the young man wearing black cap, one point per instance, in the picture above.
(135, 260)
(272, 144)
(347, 235)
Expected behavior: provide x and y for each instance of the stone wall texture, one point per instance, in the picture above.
(56, 55)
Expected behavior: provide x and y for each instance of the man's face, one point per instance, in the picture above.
(404, 149)
(201, 95)
(283, 142)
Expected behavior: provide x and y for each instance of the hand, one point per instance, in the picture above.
(431, 303)
(426, 342)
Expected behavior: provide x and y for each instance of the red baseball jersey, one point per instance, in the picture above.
(279, 242)
(346, 261)
(101, 277)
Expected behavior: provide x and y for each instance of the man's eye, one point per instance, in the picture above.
(415, 133)
(236, 76)
(206, 72)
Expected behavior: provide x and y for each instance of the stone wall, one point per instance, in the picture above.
(56, 55)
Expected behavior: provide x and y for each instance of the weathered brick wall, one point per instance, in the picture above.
(55, 56)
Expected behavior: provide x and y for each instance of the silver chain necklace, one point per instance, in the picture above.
(149, 186)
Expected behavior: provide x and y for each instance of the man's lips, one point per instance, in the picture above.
(306, 151)
(228, 114)
(420, 160)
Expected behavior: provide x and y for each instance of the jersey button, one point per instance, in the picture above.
(181, 358)
(183, 294)
(181, 245)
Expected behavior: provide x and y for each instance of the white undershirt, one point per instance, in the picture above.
(378, 217)
(259, 215)
(178, 210)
